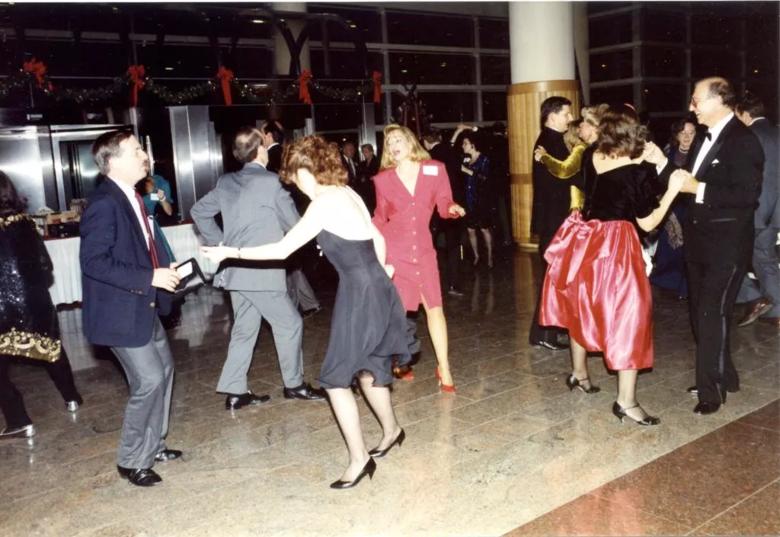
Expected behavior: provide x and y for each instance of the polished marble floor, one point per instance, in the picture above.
(512, 451)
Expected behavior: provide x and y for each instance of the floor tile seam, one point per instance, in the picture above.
(735, 505)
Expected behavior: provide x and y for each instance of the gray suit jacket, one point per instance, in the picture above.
(255, 210)
(768, 212)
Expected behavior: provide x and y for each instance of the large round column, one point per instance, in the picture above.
(542, 61)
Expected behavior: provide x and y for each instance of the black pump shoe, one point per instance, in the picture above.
(573, 382)
(379, 453)
(620, 413)
(369, 469)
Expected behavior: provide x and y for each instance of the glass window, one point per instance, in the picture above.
(493, 33)
(361, 23)
(598, 7)
(665, 98)
(662, 25)
(411, 67)
(712, 28)
(612, 94)
(442, 107)
(495, 69)
(611, 66)
(723, 62)
(419, 29)
(494, 106)
(345, 64)
(178, 61)
(610, 30)
(337, 116)
(64, 59)
(662, 61)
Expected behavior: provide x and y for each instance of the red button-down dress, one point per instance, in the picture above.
(403, 220)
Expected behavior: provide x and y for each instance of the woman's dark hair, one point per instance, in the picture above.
(10, 201)
(320, 157)
(621, 134)
(473, 138)
(678, 126)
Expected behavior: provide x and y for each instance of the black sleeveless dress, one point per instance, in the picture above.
(368, 327)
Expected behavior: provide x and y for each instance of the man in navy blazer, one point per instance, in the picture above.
(725, 182)
(126, 281)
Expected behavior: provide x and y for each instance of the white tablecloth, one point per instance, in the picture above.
(64, 254)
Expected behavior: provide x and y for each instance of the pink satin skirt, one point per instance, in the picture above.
(596, 287)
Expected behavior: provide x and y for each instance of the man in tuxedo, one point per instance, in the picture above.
(273, 137)
(126, 282)
(367, 168)
(452, 227)
(348, 154)
(725, 181)
(255, 210)
(551, 201)
(764, 295)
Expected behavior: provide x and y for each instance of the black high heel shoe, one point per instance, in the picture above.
(620, 413)
(379, 453)
(368, 469)
(573, 382)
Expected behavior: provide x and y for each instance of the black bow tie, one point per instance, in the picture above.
(708, 136)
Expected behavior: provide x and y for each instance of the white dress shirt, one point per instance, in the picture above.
(129, 192)
(714, 132)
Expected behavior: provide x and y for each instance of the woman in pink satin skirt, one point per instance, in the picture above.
(596, 285)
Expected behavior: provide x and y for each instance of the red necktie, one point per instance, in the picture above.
(150, 244)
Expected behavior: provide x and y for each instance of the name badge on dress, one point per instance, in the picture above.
(429, 169)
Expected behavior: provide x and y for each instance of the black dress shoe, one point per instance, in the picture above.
(705, 408)
(454, 291)
(368, 469)
(305, 392)
(379, 453)
(167, 455)
(234, 402)
(140, 477)
(693, 390)
(551, 346)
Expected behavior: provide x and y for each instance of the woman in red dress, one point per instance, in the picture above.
(596, 285)
(408, 187)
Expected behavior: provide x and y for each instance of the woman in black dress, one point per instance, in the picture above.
(480, 197)
(28, 322)
(368, 327)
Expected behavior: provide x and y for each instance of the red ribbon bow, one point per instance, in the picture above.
(377, 78)
(36, 68)
(137, 74)
(303, 80)
(225, 75)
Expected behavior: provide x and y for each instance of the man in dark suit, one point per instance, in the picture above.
(551, 201)
(273, 136)
(764, 295)
(367, 168)
(452, 227)
(348, 154)
(718, 232)
(255, 210)
(126, 281)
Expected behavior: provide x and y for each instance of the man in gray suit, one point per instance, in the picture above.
(763, 294)
(255, 210)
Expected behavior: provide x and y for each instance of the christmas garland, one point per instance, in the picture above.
(33, 77)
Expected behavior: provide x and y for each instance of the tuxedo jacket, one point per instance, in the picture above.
(255, 210)
(275, 158)
(720, 229)
(768, 212)
(119, 304)
(551, 196)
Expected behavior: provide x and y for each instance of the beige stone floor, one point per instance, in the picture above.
(511, 445)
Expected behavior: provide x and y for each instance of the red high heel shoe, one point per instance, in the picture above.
(446, 388)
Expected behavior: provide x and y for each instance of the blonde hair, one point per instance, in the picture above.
(593, 114)
(418, 153)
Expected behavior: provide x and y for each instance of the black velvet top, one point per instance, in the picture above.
(28, 321)
(624, 193)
